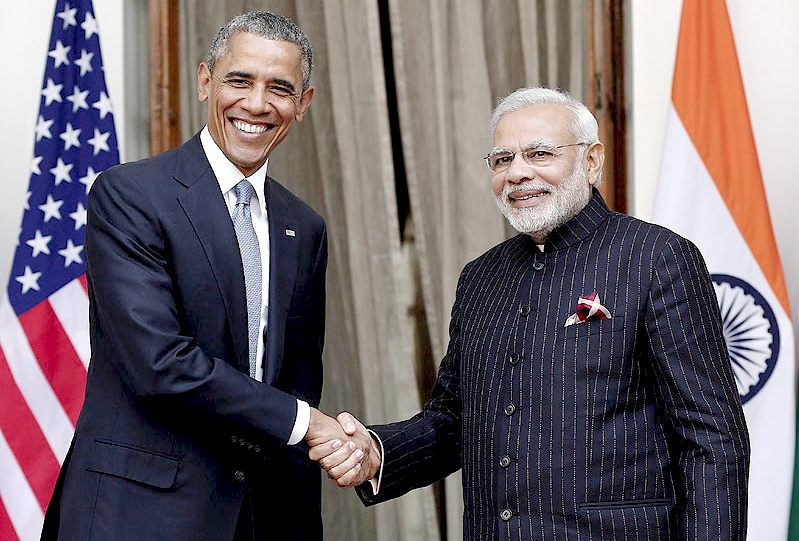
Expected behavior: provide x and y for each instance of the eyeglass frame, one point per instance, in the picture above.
(532, 147)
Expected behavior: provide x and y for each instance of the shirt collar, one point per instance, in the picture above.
(227, 174)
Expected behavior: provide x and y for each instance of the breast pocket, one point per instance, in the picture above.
(592, 348)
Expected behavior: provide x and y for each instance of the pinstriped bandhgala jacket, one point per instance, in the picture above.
(628, 428)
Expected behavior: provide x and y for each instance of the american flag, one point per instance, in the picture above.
(44, 327)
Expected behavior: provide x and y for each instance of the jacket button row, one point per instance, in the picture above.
(506, 514)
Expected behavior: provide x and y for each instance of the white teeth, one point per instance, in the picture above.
(530, 196)
(249, 128)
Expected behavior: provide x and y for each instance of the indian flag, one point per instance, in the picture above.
(711, 191)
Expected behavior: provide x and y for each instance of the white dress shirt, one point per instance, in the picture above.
(228, 175)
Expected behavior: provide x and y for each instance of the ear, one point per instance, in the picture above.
(304, 103)
(594, 160)
(203, 80)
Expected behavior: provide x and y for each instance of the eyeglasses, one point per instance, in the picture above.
(539, 155)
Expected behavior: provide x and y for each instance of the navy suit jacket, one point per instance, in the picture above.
(624, 428)
(172, 428)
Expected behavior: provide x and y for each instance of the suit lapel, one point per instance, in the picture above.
(283, 246)
(205, 208)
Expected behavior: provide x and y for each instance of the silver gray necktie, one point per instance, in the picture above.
(251, 259)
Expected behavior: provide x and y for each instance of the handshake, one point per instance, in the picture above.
(343, 447)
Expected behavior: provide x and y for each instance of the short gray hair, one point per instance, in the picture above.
(583, 126)
(266, 25)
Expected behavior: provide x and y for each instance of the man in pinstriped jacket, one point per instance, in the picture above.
(586, 392)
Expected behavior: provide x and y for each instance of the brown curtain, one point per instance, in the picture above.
(389, 295)
(453, 60)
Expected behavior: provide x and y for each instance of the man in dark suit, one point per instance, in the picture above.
(586, 392)
(207, 291)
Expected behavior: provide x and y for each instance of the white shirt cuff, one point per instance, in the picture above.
(301, 423)
(375, 481)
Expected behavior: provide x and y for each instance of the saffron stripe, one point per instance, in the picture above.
(709, 97)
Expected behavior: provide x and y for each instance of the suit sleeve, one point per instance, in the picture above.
(426, 447)
(137, 325)
(695, 383)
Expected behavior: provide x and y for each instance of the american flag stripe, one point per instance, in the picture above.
(84, 284)
(5, 522)
(57, 358)
(31, 382)
(71, 307)
(24, 511)
(39, 468)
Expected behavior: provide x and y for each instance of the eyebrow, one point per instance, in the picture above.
(247, 75)
(284, 82)
(239, 74)
(539, 143)
(529, 146)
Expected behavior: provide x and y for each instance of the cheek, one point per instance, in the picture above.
(497, 184)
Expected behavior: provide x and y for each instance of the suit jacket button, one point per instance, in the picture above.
(239, 475)
(514, 358)
(538, 266)
(524, 309)
(257, 449)
(510, 409)
(504, 461)
(506, 514)
(234, 439)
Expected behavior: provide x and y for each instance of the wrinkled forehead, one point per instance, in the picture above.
(544, 123)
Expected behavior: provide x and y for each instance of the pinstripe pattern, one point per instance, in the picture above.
(624, 429)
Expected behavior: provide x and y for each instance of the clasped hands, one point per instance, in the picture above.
(343, 447)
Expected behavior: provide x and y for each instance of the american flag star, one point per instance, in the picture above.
(44, 329)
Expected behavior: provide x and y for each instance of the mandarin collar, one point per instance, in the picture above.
(578, 228)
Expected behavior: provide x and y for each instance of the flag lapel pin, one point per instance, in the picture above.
(290, 233)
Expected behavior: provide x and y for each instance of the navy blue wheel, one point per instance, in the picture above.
(751, 333)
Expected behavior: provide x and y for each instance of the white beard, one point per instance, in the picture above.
(566, 200)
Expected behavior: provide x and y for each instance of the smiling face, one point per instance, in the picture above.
(537, 198)
(253, 97)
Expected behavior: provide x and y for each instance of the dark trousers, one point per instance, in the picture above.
(278, 512)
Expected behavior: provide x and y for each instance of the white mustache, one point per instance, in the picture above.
(526, 186)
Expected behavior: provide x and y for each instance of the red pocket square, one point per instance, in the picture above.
(589, 308)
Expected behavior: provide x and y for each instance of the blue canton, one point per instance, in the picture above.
(75, 140)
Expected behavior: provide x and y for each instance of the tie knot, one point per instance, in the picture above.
(244, 191)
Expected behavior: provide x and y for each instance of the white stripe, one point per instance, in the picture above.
(32, 383)
(71, 306)
(17, 495)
